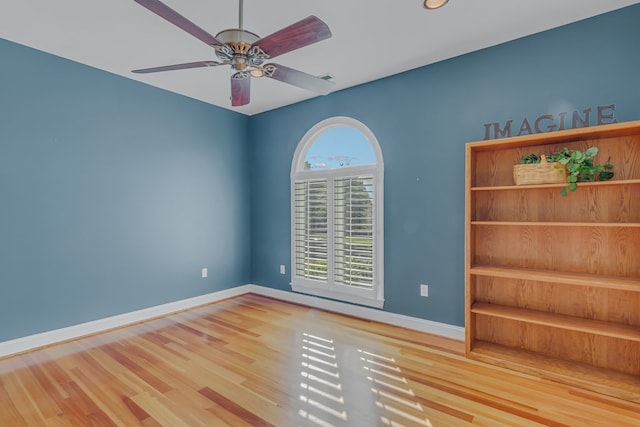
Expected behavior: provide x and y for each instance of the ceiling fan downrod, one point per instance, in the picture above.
(240, 13)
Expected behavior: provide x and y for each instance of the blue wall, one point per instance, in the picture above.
(422, 119)
(113, 194)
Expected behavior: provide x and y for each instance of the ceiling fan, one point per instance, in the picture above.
(247, 53)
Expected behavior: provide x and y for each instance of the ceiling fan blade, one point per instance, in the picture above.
(180, 21)
(179, 67)
(240, 90)
(303, 33)
(298, 78)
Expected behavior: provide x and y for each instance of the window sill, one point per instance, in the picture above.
(340, 296)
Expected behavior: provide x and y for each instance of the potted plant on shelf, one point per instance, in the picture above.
(572, 166)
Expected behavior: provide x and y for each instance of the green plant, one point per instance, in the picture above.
(579, 164)
(530, 159)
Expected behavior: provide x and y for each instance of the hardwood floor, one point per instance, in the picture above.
(256, 361)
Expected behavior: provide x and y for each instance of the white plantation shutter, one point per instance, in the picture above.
(311, 229)
(353, 231)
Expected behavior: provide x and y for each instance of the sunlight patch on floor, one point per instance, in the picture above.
(343, 385)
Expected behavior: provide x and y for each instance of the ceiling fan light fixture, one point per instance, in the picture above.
(434, 4)
(246, 53)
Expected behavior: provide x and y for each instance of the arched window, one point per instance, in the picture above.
(337, 178)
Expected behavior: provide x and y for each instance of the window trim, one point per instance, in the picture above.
(370, 297)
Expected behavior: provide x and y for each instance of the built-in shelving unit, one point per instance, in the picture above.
(552, 282)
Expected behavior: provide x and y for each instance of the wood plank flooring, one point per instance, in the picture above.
(255, 361)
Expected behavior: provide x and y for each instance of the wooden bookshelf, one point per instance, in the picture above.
(560, 321)
(552, 282)
(576, 279)
(578, 374)
(557, 224)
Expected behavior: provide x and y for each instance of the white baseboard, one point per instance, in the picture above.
(20, 345)
(422, 325)
(31, 342)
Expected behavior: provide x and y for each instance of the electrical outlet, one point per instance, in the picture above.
(424, 290)
(283, 269)
(205, 272)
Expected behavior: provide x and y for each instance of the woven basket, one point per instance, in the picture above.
(540, 173)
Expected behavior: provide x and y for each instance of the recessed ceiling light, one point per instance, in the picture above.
(434, 4)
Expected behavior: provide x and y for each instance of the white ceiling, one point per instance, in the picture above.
(371, 38)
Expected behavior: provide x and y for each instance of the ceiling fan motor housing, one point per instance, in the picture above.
(238, 49)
